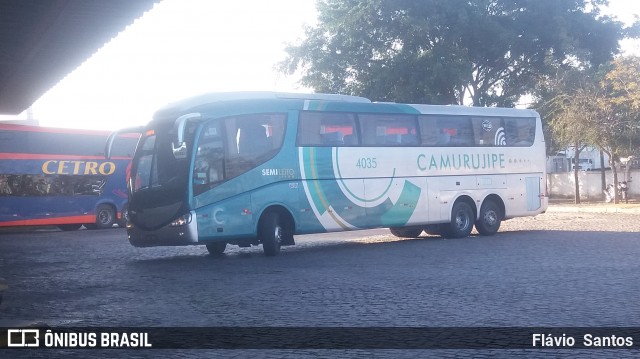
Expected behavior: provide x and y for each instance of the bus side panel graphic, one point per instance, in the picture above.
(337, 205)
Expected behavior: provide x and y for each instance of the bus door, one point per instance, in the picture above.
(218, 203)
(229, 184)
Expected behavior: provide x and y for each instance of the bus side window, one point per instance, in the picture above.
(444, 136)
(327, 129)
(446, 131)
(5, 189)
(208, 168)
(459, 130)
(350, 140)
(428, 130)
(28, 185)
(334, 138)
(488, 131)
(388, 129)
(252, 139)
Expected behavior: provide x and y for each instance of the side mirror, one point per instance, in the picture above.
(112, 137)
(179, 145)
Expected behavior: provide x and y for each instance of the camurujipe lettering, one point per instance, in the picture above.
(78, 168)
(474, 161)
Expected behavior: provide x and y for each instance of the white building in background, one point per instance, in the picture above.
(589, 160)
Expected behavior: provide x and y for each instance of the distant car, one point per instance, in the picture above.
(585, 164)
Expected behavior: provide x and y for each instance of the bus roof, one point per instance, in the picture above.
(470, 111)
(188, 104)
(257, 95)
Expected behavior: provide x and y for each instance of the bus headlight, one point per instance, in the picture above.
(181, 221)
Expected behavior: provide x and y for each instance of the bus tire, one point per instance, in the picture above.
(462, 220)
(406, 232)
(105, 216)
(489, 220)
(69, 227)
(270, 233)
(216, 248)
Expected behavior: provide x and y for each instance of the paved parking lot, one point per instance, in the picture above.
(556, 270)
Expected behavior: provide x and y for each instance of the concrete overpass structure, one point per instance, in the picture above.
(41, 41)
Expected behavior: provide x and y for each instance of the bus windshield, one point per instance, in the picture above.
(158, 182)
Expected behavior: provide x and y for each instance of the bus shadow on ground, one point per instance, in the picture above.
(386, 248)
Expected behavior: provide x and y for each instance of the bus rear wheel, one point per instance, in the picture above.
(105, 217)
(489, 220)
(406, 232)
(461, 221)
(216, 248)
(270, 232)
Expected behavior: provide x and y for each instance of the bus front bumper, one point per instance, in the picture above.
(182, 232)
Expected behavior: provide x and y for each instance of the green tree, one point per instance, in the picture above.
(620, 121)
(446, 51)
(600, 108)
(571, 112)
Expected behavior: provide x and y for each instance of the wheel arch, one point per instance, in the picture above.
(107, 202)
(284, 213)
(467, 199)
(498, 201)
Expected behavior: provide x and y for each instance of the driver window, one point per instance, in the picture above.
(231, 146)
(252, 140)
(209, 162)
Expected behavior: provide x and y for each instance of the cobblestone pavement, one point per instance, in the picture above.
(558, 269)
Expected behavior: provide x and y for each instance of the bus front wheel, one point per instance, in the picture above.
(490, 219)
(461, 221)
(270, 233)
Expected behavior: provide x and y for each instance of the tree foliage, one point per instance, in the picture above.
(572, 112)
(444, 51)
(600, 108)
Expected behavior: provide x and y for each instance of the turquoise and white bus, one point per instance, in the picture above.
(258, 168)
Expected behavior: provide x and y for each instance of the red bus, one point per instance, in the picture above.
(55, 176)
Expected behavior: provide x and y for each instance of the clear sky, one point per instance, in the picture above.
(182, 48)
